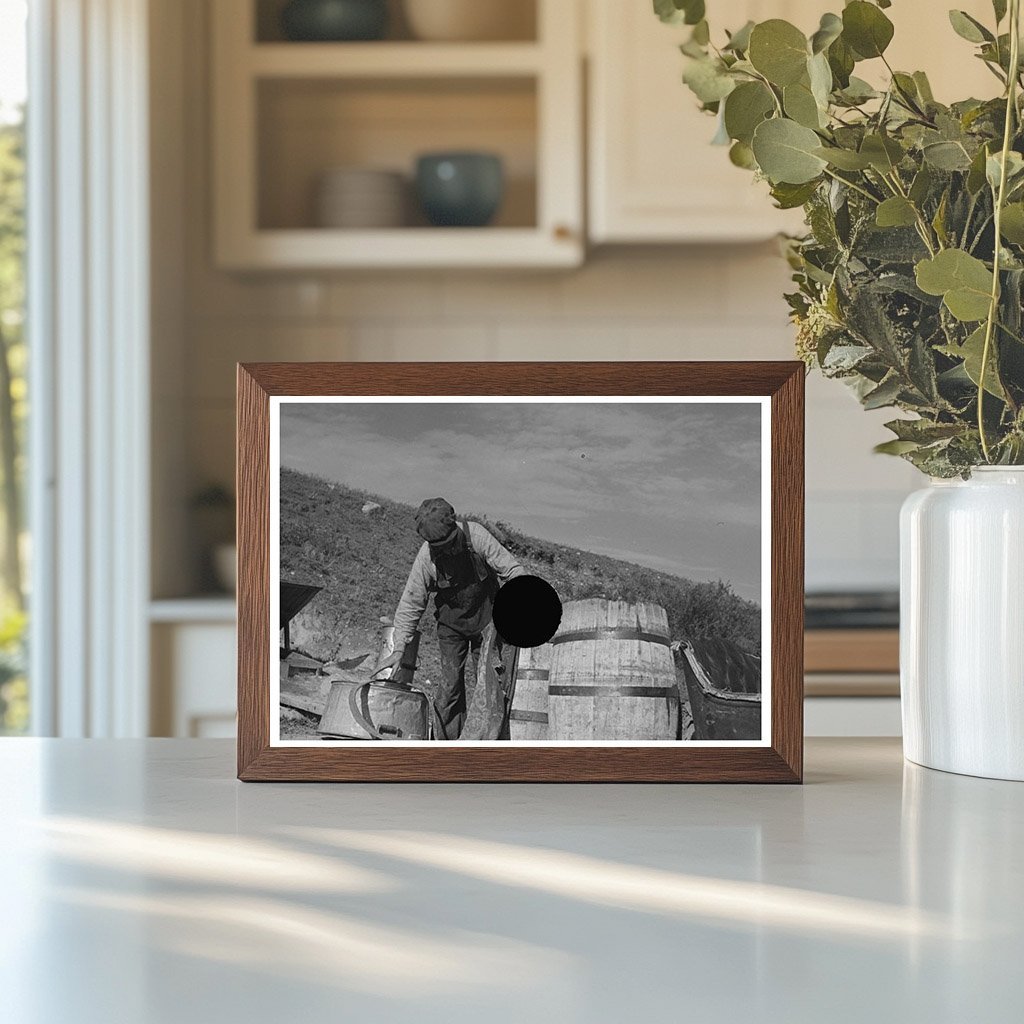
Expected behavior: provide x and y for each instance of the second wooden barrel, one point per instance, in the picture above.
(612, 673)
(528, 719)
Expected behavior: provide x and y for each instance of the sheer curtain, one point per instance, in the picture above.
(88, 300)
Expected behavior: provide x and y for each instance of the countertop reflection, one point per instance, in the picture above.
(143, 884)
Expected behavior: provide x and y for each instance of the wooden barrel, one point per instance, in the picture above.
(612, 673)
(528, 719)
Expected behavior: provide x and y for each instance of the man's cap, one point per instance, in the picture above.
(435, 521)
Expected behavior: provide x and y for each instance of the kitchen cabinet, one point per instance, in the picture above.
(287, 113)
(653, 175)
(192, 653)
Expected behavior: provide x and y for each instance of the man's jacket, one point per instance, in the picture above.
(422, 580)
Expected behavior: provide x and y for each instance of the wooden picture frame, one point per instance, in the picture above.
(779, 759)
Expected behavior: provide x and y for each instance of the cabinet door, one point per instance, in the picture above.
(654, 176)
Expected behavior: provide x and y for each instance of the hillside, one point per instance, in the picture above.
(362, 560)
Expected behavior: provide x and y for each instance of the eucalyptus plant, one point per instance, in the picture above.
(909, 280)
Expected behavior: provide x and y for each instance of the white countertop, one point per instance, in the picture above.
(143, 885)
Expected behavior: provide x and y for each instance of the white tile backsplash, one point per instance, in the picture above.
(718, 302)
(374, 296)
(509, 297)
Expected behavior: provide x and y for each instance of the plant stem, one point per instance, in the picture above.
(768, 85)
(922, 225)
(993, 309)
(969, 218)
(856, 188)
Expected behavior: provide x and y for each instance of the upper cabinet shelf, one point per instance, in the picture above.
(316, 144)
(394, 60)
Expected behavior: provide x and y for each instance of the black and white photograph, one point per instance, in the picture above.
(520, 570)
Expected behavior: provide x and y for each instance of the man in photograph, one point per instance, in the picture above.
(462, 565)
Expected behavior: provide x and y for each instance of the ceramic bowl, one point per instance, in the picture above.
(460, 189)
(360, 197)
(469, 20)
(334, 20)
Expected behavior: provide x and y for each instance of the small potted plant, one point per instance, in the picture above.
(908, 289)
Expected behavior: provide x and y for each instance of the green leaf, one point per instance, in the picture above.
(924, 87)
(997, 53)
(858, 91)
(921, 185)
(785, 152)
(882, 153)
(939, 220)
(739, 41)
(820, 76)
(963, 281)
(1012, 225)
(895, 447)
(906, 89)
(896, 212)
(976, 174)
(969, 28)
(829, 30)
(841, 60)
(668, 11)
(885, 394)
(800, 105)
(695, 11)
(844, 159)
(721, 137)
(971, 352)
(745, 108)
(675, 12)
(741, 155)
(778, 50)
(947, 156)
(789, 197)
(999, 7)
(708, 80)
(866, 29)
(1014, 169)
(923, 431)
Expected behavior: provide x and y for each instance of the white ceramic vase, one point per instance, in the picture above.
(962, 624)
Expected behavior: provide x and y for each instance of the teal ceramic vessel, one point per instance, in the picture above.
(334, 21)
(461, 190)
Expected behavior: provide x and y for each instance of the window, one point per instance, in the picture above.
(14, 549)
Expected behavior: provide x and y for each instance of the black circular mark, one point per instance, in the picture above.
(527, 611)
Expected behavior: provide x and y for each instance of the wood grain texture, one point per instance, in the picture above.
(530, 696)
(852, 650)
(674, 762)
(582, 668)
(252, 485)
(787, 534)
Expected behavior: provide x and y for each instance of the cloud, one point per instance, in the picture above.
(604, 476)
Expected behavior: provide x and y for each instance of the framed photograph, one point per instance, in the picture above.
(520, 572)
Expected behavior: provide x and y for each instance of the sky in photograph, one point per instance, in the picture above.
(672, 486)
